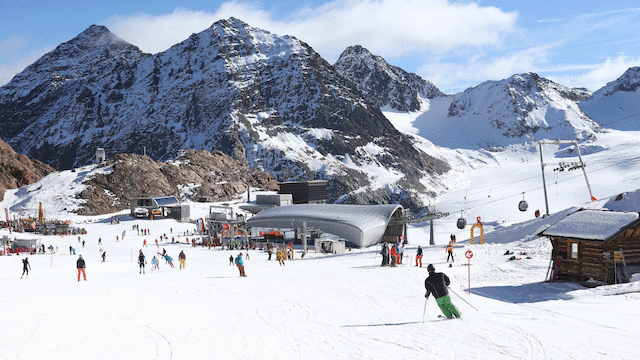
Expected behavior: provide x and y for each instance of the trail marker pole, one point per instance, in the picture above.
(469, 255)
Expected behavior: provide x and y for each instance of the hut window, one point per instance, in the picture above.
(574, 250)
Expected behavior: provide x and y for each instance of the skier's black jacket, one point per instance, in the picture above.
(436, 284)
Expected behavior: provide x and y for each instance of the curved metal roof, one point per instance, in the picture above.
(362, 225)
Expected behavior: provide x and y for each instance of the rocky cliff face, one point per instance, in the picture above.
(17, 170)
(382, 84)
(266, 100)
(196, 174)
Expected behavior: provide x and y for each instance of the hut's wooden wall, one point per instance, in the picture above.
(589, 263)
(629, 243)
(595, 258)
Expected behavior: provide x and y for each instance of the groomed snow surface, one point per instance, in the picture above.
(329, 306)
(321, 307)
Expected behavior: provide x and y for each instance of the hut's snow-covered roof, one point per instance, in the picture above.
(591, 224)
(362, 225)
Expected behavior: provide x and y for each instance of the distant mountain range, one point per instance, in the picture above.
(273, 103)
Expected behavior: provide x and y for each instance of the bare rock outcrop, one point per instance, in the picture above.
(17, 170)
(197, 174)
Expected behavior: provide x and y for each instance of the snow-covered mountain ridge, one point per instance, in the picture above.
(617, 104)
(521, 109)
(265, 99)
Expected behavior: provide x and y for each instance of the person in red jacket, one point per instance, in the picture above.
(392, 255)
(419, 256)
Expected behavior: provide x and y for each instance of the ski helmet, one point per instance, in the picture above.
(430, 268)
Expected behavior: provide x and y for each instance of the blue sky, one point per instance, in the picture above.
(454, 44)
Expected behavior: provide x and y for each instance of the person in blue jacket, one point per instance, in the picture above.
(240, 264)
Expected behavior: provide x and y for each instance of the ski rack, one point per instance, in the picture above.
(573, 166)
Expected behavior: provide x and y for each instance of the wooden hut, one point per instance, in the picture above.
(594, 245)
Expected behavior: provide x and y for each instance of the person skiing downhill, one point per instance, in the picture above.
(141, 262)
(80, 264)
(436, 284)
(25, 264)
(154, 264)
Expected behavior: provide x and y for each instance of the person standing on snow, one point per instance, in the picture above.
(450, 251)
(182, 258)
(25, 267)
(155, 264)
(437, 284)
(240, 264)
(385, 255)
(230, 260)
(141, 262)
(81, 266)
(419, 256)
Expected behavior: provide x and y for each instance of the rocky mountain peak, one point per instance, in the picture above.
(384, 84)
(627, 82)
(531, 83)
(355, 50)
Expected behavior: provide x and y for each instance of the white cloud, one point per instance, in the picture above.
(600, 74)
(385, 27)
(454, 77)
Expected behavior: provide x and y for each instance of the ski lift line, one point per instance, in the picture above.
(535, 177)
(539, 188)
(495, 186)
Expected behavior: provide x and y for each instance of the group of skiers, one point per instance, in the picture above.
(392, 255)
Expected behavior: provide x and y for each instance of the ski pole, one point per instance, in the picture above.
(462, 299)
(425, 308)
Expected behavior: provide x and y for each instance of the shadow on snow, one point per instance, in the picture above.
(528, 293)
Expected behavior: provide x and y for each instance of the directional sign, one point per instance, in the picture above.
(468, 254)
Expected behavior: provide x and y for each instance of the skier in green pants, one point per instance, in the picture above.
(436, 284)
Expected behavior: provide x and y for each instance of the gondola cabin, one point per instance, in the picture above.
(586, 243)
